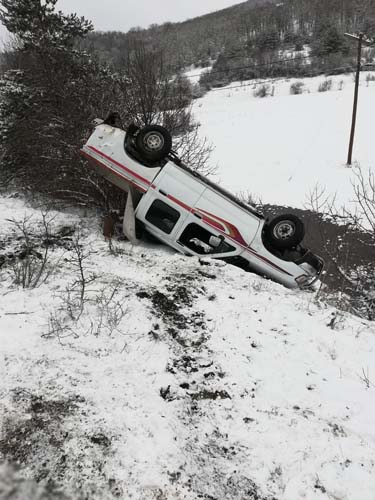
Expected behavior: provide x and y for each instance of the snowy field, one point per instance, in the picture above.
(174, 378)
(280, 148)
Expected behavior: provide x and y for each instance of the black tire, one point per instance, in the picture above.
(285, 231)
(153, 143)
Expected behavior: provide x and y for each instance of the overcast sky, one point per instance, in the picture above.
(121, 15)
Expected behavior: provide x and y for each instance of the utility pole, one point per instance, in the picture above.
(361, 39)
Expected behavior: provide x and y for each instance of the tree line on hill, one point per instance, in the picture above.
(246, 41)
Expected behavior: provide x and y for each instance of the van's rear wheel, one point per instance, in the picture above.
(285, 231)
(153, 142)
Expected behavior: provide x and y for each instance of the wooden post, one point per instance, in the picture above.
(355, 104)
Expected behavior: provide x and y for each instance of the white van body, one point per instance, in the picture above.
(193, 215)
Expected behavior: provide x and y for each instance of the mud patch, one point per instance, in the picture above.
(37, 426)
(167, 308)
(206, 394)
(14, 486)
(349, 257)
(46, 438)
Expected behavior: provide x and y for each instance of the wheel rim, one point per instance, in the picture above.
(284, 230)
(153, 141)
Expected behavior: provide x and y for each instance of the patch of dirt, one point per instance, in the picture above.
(101, 439)
(351, 248)
(206, 394)
(14, 486)
(40, 435)
(40, 422)
(200, 384)
(167, 308)
(346, 252)
(233, 485)
(180, 292)
(184, 364)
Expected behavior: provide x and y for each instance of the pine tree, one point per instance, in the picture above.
(48, 97)
(37, 24)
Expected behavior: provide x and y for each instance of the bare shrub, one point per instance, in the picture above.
(154, 96)
(364, 190)
(250, 199)
(59, 327)
(85, 309)
(75, 293)
(263, 90)
(195, 152)
(110, 307)
(358, 283)
(341, 85)
(325, 86)
(297, 88)
(101, 312)
(31, 266)
(365, 378)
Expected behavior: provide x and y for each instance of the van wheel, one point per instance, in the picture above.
(285, 231)
(153, 142)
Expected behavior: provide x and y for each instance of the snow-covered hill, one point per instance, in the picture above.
(177, 378)
(280, 148)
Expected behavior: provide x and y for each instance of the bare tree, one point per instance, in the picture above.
(358, 221)
(194, 151)
(156, 96)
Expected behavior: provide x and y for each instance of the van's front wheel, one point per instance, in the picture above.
(153, 143)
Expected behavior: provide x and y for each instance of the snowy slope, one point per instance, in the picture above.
(279, 148)
(180, 380)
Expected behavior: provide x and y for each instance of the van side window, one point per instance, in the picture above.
(162, 216)
(201, 241)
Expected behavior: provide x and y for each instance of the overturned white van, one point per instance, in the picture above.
(193, 215)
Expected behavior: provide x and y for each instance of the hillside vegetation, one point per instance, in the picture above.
(244, 39)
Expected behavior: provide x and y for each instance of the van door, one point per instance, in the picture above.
(237, 225)
(168, 202)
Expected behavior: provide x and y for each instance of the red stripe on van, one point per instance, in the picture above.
(253, 252)
(97, 151)
(182, 204)
(103, 165)
(234, 235)
(223, 225)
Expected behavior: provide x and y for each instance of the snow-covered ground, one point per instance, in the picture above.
(280, 148)
(177, 379)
